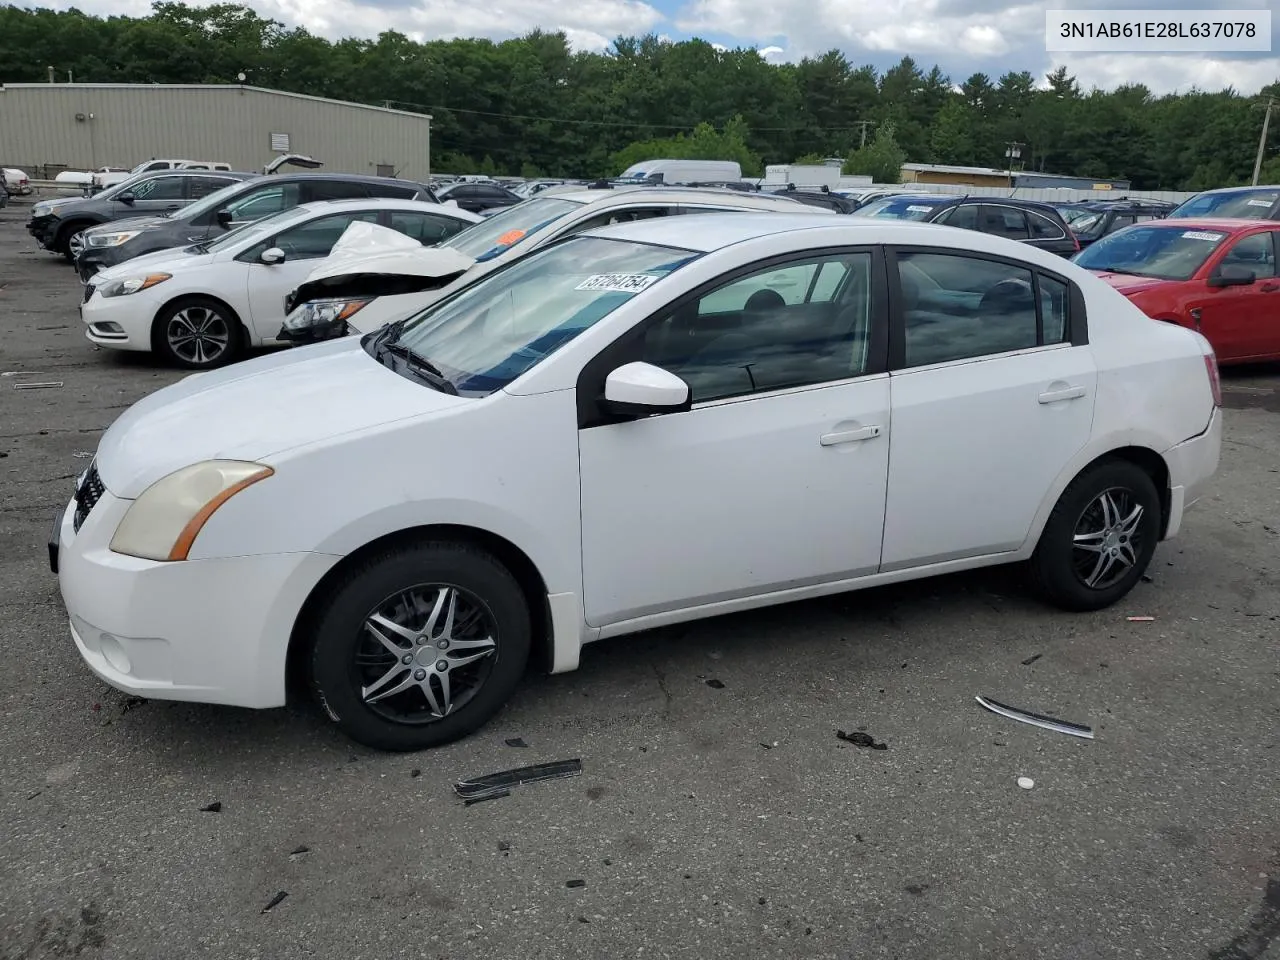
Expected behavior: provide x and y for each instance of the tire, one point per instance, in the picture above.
(214, 325)
(62, 242)
(354, 676)
(1060, 569)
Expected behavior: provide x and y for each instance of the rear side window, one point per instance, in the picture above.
(1042, 228)
(965, 216)
(426, 228)
(338, 190)
(200, 187)
(1003, 222)
(958, 307)
(609, 217)
(395, 191)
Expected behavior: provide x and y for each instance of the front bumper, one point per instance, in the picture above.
(93, 259)
(121, 323)
(44, 229)
(1192, 465)
(206, 631)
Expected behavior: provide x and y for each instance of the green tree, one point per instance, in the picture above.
(952, 137)
(881, 159)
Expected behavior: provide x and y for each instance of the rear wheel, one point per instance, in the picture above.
(420, 645)
(198, 333)
(1100, 537)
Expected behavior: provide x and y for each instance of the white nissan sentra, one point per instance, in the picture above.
(640, 425)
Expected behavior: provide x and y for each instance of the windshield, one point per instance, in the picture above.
(901, 208)
(1072, 214)
(1161, 252)
(1241, 204)
(502, 325)
(502, 231)
(212, 202)
(256, 228)
(1088, 224)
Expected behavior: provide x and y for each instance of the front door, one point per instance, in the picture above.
(775, 479)
(303, 246)
(991, 401)
(1244, 322)
(153, 198)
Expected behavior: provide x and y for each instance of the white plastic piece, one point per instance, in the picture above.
(1026, 783)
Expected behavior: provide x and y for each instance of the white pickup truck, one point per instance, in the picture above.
(100, 181)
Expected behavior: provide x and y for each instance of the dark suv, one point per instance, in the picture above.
(819, 197)
(1238, 203)
(1093, 220)
(56, 224)
(229, 208)
(1029, 221)
(478, 196)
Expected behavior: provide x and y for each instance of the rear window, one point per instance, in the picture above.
(1240, 205)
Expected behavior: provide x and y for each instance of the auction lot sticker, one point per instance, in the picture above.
(1202, 235)
(621, 282)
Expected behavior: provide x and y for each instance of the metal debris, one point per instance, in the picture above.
(82, 455)
(491, 795)
(38, 386)
(494, 785)
(1139, 619)
(1036, 719)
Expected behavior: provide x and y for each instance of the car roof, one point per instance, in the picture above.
(345, 177)
(1258, 188)
(379, 203)
(708, 232)
(1219, 224)
(629, 194)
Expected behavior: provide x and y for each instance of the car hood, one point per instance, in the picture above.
(132, 223)
(256, 409)
(373, 261)
(170, 260)
(1129, 284)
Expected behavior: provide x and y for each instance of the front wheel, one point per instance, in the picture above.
(197, 333)
(420, 645)
(1100, 537)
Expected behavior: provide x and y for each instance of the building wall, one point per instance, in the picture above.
(123, 125)
(957, 179)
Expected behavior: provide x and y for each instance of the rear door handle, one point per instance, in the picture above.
(1053, 396)
(850, 436)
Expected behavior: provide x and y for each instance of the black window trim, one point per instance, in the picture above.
(625, 348)
(1077, 322)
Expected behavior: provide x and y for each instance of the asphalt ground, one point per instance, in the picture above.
(710, 820)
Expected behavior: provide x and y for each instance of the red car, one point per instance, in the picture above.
(1218, 277)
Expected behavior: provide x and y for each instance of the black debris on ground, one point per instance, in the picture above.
(715, 684)
(1032, 659)
(300, 848)
(131, 702)
(275, 901)
(503, 846)
(215, 807)
(574, 884)
(860, 739)
(515, 742)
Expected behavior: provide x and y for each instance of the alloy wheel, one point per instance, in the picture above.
(424, 653)
(198, 335)
(76, 243)
(1107, 541)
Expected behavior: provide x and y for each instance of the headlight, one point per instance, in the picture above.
(111, 239)
(324, 313)
(41, 209)
(122, 288)
(163, 523)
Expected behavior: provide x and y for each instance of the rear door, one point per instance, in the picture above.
(993, 390)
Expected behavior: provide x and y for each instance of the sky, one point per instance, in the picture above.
(960, 36)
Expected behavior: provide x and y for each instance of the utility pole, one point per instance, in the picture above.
(863, 124)
(1013, 151)
(1262, 141)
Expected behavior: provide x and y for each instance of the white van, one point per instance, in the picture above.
(684, 171)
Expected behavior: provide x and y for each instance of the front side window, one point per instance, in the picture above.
(805, 322)
(493, 330)
(1163, 252)
(964, 216)
(1254, 253)
(161, 188)
(957, 307)
(309, 241)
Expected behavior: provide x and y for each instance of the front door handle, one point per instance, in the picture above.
(1268, 287)
(850, 436)
(1053, 396)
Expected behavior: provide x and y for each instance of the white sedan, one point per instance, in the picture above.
(629, 429)
(201, 306)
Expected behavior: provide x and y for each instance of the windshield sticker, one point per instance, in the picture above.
(915, 209)
(623, 282)
(1202, 235)
(510, 237)
(1259, 203)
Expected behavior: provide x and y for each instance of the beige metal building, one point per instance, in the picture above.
(84, 126)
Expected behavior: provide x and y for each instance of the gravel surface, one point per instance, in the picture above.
(712, 819)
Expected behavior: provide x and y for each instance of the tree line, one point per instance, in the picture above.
(533, 107)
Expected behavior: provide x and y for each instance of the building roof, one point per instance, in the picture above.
(947, 168)
(207, 86)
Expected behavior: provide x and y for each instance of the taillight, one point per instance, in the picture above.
(1215, 383)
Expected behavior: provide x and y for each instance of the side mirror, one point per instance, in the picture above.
(272, 255)
(641, 390)
(126, 197)
(1231, 275)
(224, 217)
